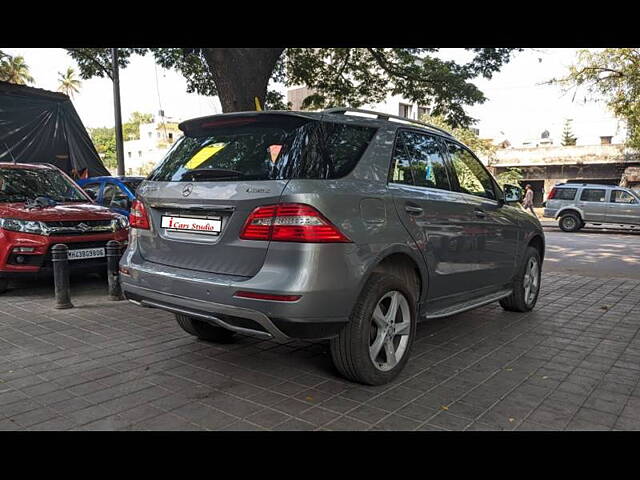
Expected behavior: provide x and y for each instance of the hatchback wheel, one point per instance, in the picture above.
(204, 330)
(527, 284)
(570, 222)
(375, 345)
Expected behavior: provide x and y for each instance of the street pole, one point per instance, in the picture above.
(118, 114)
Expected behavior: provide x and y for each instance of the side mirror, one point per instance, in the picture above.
(512, 193)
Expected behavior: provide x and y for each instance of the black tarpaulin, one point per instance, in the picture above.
(39, 126)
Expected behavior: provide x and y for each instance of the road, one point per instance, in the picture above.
(593, 252)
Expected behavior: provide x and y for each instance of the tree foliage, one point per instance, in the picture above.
(68, 83)
(480, 146)
(339, 76)
(14, 69)
(511, 176)
(611, 75)
(568, 138)
(104, 138)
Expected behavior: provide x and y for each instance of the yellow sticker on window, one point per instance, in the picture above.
(204, 154)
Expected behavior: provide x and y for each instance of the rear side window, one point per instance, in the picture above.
(565, 194)
(592, 195)
(418, 161)
(266, 149)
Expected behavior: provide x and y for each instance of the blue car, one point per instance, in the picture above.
(115, 193)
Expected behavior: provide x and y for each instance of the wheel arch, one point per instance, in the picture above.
(571, 209)
(537, 242)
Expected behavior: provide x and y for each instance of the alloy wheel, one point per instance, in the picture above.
(390, 330)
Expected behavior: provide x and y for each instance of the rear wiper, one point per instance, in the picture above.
(211, 173)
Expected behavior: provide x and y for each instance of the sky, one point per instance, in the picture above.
(519, 106)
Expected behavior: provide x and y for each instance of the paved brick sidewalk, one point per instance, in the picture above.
(573, 363)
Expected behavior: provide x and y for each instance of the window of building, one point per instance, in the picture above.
(592, 195)
(129, 154)
(422, 111)
(605, 140)
(140, 153)
(405, 110)
(150, 134)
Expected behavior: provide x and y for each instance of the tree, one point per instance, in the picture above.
(480, 146)
(611, 75)
(68, 83)
(131, 129)
(14, 70)
(567, 134)
(104, 139)
(338, 76)
(511, 176)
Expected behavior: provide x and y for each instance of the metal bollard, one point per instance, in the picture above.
(114, 250)
(60, 259)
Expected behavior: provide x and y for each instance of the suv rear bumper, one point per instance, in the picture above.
(327, 292)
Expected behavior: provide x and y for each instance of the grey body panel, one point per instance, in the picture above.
(462, 260)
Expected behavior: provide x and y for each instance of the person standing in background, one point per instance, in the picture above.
(527, 203)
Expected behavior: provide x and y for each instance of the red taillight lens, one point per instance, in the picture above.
(267, 296)
(552, 193)
(291, 222)
(138, 217)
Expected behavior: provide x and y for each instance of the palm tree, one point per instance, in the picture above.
(68, 83)
(14, 70)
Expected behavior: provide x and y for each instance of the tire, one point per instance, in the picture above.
(351, 349)
(204, 330)
(4, 285)
(570, 222)
(516, 302)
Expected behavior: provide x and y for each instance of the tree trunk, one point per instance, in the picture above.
(241, 75)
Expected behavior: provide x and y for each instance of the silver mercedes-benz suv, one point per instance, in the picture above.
(344, 225)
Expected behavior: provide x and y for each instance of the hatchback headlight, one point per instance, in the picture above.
(26, 226)
(120, 223)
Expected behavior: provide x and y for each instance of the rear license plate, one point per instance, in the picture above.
(210, 226)
(83, 253)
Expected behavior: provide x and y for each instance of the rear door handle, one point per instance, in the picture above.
(480, 213)
(413, 210)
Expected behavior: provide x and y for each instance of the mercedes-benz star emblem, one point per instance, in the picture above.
(186, 191)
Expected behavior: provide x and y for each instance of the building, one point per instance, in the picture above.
(394, 105)
(544, 166)
(155, 139)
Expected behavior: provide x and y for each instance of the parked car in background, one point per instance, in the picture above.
(41, 206)
(575, 205)
(340, 225)
(115, 193)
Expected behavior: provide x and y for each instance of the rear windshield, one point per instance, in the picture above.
(266, 150)
(22, 184)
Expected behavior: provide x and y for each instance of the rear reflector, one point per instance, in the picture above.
(138, 217)
(267, 296)
(291, 222)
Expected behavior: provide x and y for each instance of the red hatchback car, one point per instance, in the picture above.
(41, 206)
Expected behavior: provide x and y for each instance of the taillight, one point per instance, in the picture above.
(138, 217)
(552, 193)
(291, 222)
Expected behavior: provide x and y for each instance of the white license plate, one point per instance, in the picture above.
(210, 226)
(83, 253)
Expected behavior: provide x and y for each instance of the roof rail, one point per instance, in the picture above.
(386, 116)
